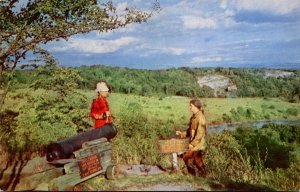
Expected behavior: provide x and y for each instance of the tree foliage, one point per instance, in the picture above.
(141, 82)
(55, 111)
(183, 82)
(271, 144)
(25, 28)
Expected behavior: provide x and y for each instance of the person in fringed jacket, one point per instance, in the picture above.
(196, 132)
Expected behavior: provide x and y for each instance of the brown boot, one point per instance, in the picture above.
(191, 167)
(201, 172)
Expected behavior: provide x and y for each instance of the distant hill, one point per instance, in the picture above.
(190, 82)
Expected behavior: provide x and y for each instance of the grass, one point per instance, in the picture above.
(137, 136)
(175, 109)
(137, 182)
(215, 107)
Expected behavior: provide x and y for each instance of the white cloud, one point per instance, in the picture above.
(206, 59)
(175, 51)
(276, 6)
(150, 49)
(130, 28)
(226, 18)
(96, 46)
(229, 13)
(153, 51)
(224, 4)
(216, 20)
(194, 22)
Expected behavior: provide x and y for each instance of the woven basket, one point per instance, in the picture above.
(173, 145)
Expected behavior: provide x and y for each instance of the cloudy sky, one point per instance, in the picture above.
(195, 33)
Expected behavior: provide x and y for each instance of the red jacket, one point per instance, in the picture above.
(100, 106)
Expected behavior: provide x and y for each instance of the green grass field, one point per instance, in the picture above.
(176, 109)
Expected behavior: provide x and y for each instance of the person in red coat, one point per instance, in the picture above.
(100, 108)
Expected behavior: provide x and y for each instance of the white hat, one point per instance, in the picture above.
(101, 86)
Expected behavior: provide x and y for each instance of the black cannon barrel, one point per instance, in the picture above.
(65, 148)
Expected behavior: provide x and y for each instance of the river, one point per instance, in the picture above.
(258, 124)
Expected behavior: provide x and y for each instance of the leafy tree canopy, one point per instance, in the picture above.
(24, 28)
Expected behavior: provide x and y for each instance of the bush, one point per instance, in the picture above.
(53, 110)
(226, 118)
(267, 144)
(292, 111)
(284, 179)
(8, 124)
(224, 159)
(267, 116)
(137, 137)
(287, 133)
(235, 156)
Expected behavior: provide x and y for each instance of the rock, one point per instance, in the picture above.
(139, 170)
(277, 73)
(218, 83)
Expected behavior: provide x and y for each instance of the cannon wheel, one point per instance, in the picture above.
(111, 172)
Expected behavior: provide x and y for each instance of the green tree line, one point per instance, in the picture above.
(180, 81)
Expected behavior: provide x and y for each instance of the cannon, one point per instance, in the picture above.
(94, 158)
(64, 149)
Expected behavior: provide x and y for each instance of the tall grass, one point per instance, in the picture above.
(137, 137)
(141, 121)
(226, 157)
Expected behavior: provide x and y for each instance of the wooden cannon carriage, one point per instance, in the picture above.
(82, 156)
(94, 158)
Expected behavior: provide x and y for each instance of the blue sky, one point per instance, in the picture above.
(195, 33)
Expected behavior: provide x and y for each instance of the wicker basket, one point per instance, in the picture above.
(173, 145)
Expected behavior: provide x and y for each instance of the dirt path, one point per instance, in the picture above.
(36, 175)
(167, 187)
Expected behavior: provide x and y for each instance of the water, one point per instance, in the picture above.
(258, 124)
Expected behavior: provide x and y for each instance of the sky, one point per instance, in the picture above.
(194, 33)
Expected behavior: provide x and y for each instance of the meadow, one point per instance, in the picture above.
(248, 156)
(248, 159)
(176, 108)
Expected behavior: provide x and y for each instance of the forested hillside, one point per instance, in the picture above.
(183, 81)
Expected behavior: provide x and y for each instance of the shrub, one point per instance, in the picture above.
(267, 144)
(235, 156)
(267, 116)
(287, 133)
(284, 179)
(224, 159)
(53, 110)
(226, 118)
(137, 137)
(292, 111)
(8, 124)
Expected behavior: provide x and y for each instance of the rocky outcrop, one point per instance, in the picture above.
(277, 73)
(220, 84)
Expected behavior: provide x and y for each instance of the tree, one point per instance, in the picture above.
(53, 111)
(24, 29)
